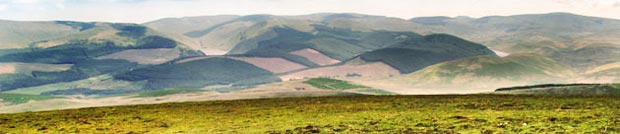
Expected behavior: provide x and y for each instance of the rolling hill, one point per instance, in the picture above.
(88, 50)
(578, 41)
(199, 74)
(485, 73)
(338, 44)
(607, 73)
(136, 56)
(18, 34)
(559, 36)
(220, 37)
(414, 54)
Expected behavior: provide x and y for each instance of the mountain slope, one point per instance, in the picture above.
(200, 74)
(417, 53)
(18, 34)
(91, 50)
(188, 24)
(486, 72)
(555, 35)
(608, 73)
(339, 44)
(224, 36)
(559, 36)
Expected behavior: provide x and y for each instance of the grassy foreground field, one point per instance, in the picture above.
(345, 114)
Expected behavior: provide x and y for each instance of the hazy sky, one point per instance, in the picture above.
(139, 11)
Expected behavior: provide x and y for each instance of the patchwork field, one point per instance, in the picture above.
(344, 114)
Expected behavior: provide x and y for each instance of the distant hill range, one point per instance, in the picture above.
(578, 41)
(230, 53)
(484, 72)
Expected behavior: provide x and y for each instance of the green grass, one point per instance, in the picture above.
(332, 84)
(165, 92)
(22, 98)
(348, 114)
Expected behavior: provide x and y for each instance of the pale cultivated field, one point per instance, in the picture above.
(315, 56)
(615, 65)
(17, 67)
(145, 56)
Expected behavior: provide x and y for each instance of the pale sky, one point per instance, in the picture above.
(139, 11)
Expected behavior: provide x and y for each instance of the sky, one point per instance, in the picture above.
(140, 11)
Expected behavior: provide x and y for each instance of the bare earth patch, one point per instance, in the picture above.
(6, 68)
(145, 56)
(315, 56)
(609, 66)
(214, 52)
(17, 67)
(500, 53)
(275, 65)
(377, 69)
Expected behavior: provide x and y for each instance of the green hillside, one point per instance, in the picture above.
(188, 24)
(18, 34)
(343, 114)
(8, 98)
(78, 71)
(341, 44)
(254, 35)
(231, 31)
(563, 89)
(559, 36)
(607, 73)
(488, 72)
(579, 41)
(199, 74)
(417, 53)
(405, 51)
(81, 51)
